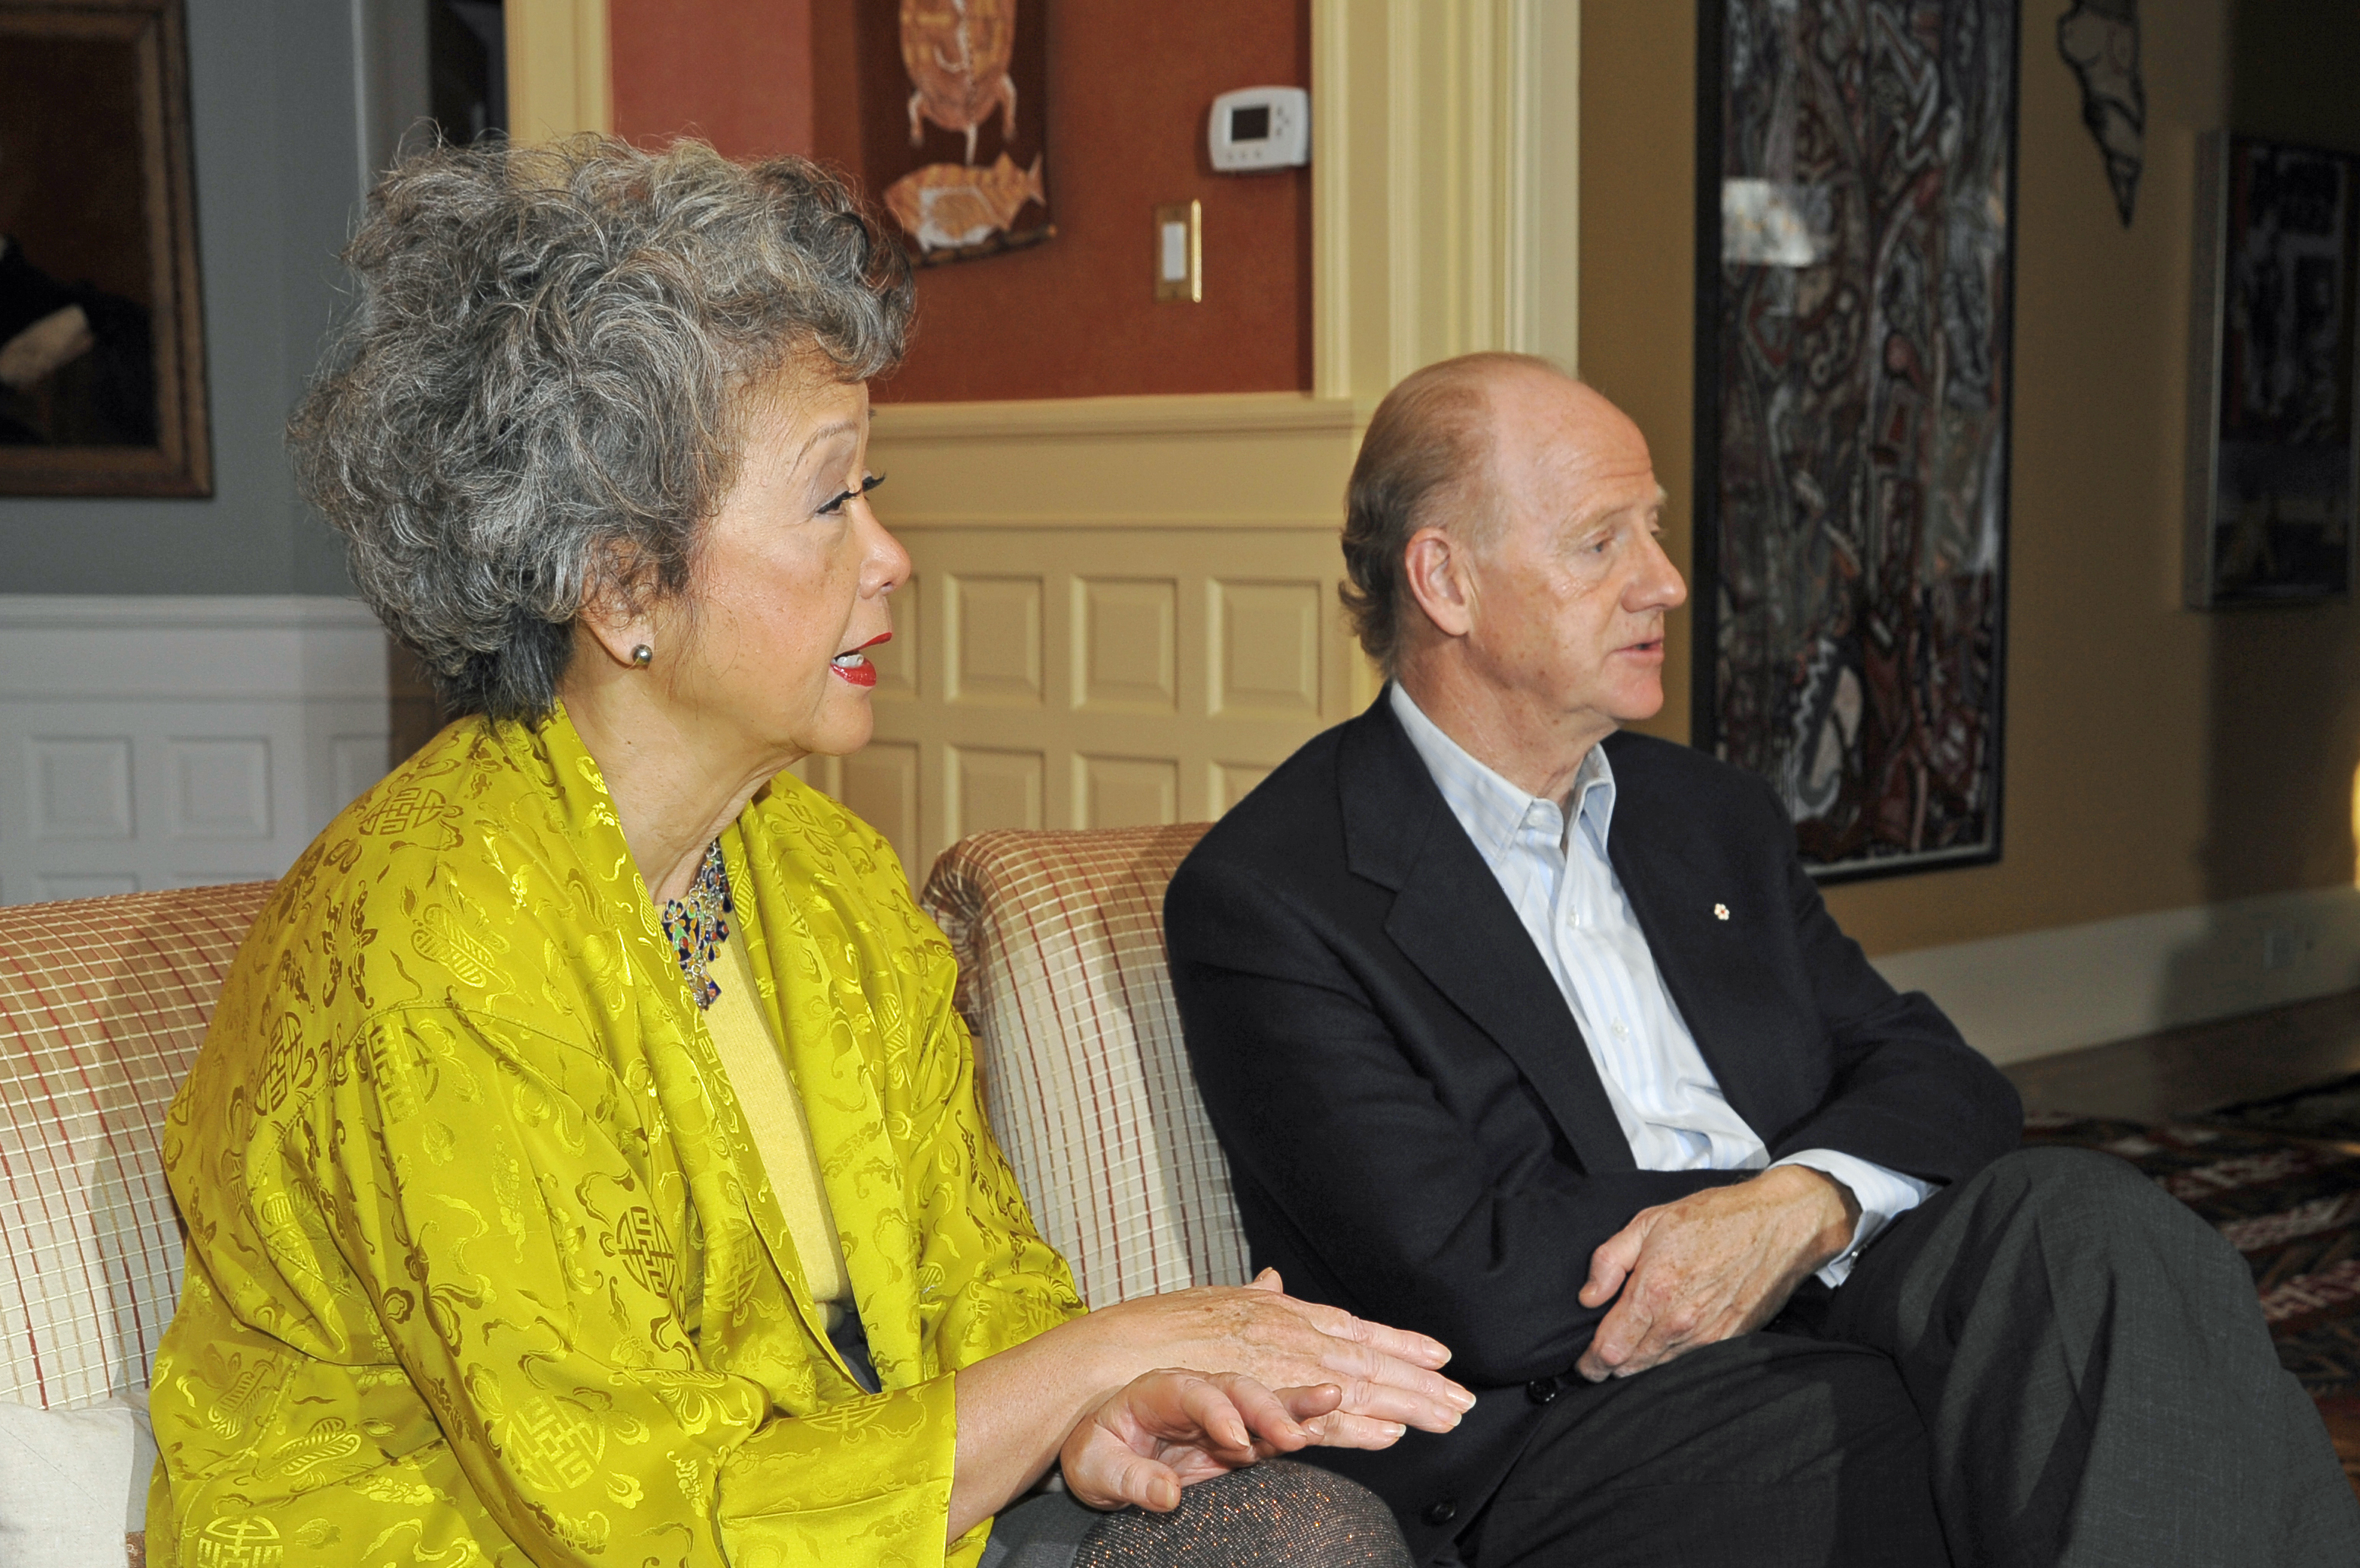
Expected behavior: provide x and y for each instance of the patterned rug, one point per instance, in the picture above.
(2292, 1206)
(2330, 1110)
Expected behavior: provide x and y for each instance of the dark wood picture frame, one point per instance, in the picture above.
(1855, 273)
(110, 210)
(2273, 432)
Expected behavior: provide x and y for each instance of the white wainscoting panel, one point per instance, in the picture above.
(2037, 991)
(169, 742)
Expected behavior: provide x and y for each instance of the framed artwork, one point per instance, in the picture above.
(953, 121)
(2270, 438)
(1855, 219)
(102, 335)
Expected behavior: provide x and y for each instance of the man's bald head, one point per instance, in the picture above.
(1427, 458)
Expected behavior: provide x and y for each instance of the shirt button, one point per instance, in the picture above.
(1622, 1030)
(1442, 1512)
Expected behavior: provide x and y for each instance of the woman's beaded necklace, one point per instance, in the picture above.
(699, 924)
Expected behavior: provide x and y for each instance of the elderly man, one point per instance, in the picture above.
(1536, 1036)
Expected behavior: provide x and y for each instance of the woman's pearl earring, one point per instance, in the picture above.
(642, 656)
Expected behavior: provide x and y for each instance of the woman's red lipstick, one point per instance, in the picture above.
(853, 668)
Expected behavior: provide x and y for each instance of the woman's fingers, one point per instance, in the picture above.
(1389, 1402)
(1308, 1404)
(1358, 1348)
(1281, 1342)
(1341, 1429)
(1418, 1349)
(1423, 1398)
(1275, 1420)
(1220, 1413)
(1169, 1429)
(1109, 1475)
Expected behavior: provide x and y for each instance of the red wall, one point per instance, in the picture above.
(1129, 86)
(737, 73)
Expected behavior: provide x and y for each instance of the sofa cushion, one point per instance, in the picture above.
(103, 1004)
(1062, 978)
(73, 1485)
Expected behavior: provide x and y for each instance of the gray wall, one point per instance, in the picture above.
(275, 141)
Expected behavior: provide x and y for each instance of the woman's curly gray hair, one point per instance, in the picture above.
(538, 393)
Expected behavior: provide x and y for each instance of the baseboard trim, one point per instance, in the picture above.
(2037, 993)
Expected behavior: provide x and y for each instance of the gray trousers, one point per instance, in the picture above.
(2052, 1363)
(1276, 1514)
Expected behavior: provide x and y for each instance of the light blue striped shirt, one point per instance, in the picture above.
(1563, 887)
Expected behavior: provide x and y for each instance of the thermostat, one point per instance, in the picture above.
(1260, 128)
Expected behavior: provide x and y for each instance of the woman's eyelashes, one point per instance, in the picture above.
(836, 505)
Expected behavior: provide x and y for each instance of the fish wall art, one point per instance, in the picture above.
(954, 117)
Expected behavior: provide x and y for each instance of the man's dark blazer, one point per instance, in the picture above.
(1414, 1129)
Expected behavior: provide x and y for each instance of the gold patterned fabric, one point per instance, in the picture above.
(483, 1266)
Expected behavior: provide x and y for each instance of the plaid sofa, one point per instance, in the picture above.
(1060, 944)
(103, 1002)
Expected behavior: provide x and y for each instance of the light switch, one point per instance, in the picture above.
(1180, 252)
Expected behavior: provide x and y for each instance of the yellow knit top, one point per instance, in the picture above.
(781, 1131)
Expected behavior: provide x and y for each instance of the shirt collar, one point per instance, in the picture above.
(1491, 809)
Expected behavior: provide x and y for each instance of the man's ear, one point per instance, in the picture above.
(1437, 570)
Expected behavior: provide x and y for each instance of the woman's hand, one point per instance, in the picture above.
(1017, 1407)
(1388, 1376)
(1171, 1429)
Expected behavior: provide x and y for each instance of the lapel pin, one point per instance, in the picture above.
(1721, 911)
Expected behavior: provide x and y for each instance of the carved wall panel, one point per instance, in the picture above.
(1230, 781)
(170, 742)
(1070, 677)
(1126, 791)
(880, 784)
(220, 789)
(1267, 638)
(81, 789)
(991, 789)
(995, 640)
(1128, 648)
(897, 661)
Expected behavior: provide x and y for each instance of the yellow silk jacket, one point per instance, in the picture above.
(482, 1264)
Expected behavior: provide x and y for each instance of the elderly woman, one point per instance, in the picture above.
(586, 1162)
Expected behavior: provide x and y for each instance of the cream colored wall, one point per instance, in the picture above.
(1125, 608)
(557, 68)
(2156, 757)
(1122, 611)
